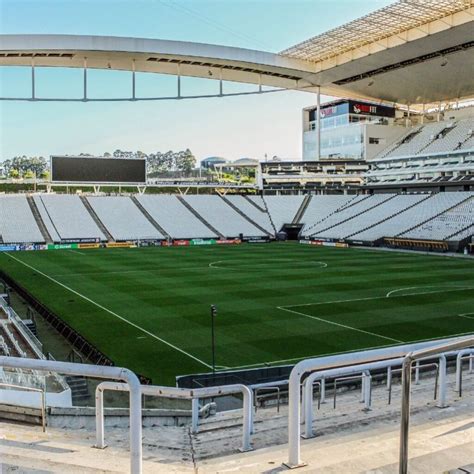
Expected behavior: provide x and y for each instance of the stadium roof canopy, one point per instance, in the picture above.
(410, 52)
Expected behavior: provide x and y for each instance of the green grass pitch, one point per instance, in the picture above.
(148, 308)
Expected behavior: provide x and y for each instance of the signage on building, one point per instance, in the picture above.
(363, 108)
(353, 107)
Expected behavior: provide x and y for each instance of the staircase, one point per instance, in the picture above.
(344, 206)
(254, 204)
(433, 217)
(247, 218)
(299, 215)
(269, 215)
(459, 231)
(42, 227)
(198, 216)
(389, 217)
(31, 325)
(354, 215)
(96, 219)
(153, 222)
(79, 389)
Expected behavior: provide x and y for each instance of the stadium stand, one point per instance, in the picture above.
(43, 218)
(413, 216)
(174, 217)
(69, 216)
(321, 207)
(282, 209)
(123, 219)
(349, 212)
(432, 138)
(46, 219)
(418, 140)
(260, 217)
(17, 223)
(469, 143)
(454, 137)
(372, 217)
(457, 221)
(221, 216)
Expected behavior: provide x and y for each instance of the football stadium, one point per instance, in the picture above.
(245, 305)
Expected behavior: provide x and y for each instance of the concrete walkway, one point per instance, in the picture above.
(348, 440)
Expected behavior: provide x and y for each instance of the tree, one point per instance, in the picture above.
(21, 166)
(185, 161)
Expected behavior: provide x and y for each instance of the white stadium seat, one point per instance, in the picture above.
(123, 219)
(67, 217)
(175, 218)
(221, 216)
(17, 223)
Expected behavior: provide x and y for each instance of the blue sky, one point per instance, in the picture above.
(230, 127)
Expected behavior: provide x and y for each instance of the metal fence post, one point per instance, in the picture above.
(442, 382)
(195, 415)
(405, 415)
(99, 419)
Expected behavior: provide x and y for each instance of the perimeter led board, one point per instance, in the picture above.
(81, 169)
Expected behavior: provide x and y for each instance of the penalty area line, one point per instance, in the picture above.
(339, 324)
(325, 354)
(370, 298)
(154, 336)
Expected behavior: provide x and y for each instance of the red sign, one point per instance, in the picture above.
(180, 243)
(365, 109)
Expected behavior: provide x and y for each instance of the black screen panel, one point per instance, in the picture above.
(97, 170)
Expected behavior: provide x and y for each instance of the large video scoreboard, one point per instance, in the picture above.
(99, 170)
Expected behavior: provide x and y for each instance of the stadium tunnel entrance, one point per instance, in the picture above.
(292, 231)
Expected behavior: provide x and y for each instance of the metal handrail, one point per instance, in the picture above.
(181, 393)
(103, 372)
(406, 386)
(31, 389)
(344, 379)
(268, 389)
(420, 367)
(470, 358)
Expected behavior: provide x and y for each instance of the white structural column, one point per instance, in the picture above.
(33, 84)
(318, 121)
(442, 382)
(84, 96)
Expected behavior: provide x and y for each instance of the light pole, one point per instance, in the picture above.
(213, 315)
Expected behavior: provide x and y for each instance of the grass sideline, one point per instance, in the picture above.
(148, 308)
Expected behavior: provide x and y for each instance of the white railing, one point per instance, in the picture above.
(343, 365)
(183, 393)
(102, 372)
(354, 365)
(406, 386)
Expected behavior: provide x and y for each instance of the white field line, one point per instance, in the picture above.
(375, 297)
(110, 312)
(272, 264)
(390, 293)
(269, 363)
(339, 324)
(466, 315)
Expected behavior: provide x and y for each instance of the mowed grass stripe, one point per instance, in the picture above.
(167, 291)
(110, 312)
